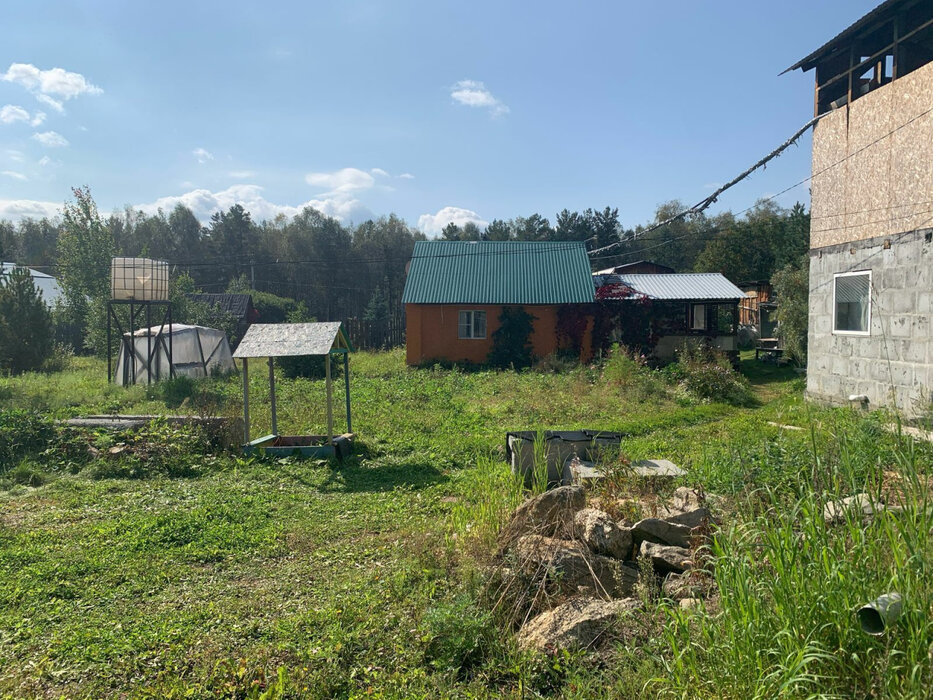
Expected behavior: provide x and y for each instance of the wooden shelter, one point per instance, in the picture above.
(271, 340)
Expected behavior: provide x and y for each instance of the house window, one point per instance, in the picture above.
(472, 324)
(698, 317)
(852, 302)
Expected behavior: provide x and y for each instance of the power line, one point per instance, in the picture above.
(708, 201)
(703, 204)
(696, 209)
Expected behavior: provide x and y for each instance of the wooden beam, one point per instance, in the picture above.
(330, 401)
(245, 401)
(856, 67)
(275, 422)
(346, 384)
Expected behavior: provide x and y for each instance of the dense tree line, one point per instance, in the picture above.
(338, 271)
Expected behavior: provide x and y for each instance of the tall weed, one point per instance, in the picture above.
(790, 585)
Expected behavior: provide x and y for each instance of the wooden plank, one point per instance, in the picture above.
(275, 422)
(245, 401)
(346, 383)
(330, 401)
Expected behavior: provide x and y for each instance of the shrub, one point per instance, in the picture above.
(158, 449)
(173, 391)
(22, 433)
(556, 363)
(708, 375)
(511, 342)
(59, 358)
(631, 373)
(459, 636)
(792, 288)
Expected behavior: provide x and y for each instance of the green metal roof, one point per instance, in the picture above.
(499, 272)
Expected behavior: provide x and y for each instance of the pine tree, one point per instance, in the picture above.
(25, 323)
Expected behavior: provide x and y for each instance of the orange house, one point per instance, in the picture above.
(456, 291)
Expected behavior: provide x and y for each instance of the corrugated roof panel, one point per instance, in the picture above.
(499, 272)
(288, 339)
(705, 286)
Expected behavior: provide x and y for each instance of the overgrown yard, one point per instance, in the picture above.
(176, 571)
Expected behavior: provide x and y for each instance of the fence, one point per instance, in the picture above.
(376, 335)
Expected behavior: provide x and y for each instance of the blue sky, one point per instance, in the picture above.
(436, 111)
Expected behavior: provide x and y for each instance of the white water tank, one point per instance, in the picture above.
(138, 279)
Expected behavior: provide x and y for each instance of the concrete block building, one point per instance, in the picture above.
(871, 237)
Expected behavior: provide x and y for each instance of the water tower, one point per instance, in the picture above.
(142, 285)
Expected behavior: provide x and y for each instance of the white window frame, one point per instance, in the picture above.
(693, 317)
(868, 322)
(472, 314)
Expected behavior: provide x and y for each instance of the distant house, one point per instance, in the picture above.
(46, 284)
(640, 267)
(456, 290)
(759, 308)
(871, 230)
(240, 306)
(696, 307)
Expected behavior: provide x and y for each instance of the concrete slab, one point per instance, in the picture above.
(657, 468)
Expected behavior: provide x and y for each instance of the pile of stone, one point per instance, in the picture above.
(584, 556)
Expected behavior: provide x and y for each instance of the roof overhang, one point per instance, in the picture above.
(293, 340)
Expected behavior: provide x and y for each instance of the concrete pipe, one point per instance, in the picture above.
(875, 617)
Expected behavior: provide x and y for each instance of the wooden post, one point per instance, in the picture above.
(245, 401)
(330, 400)
(346, 384)
(275, 422)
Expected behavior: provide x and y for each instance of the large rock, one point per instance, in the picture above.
(667, 559)
(601, 534)
(577, 624)
(548, 514)
(661, 532)
(574, 567)
(691, 518)
(860, 505)
(690, 584)
(686, 507)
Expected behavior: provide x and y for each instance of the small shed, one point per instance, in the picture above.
(271, 340)
(685, 307)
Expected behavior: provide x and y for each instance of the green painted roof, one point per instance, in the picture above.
(499, 272)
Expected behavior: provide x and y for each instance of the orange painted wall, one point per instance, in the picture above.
(431, 332)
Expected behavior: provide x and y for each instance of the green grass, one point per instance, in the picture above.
(245, 578)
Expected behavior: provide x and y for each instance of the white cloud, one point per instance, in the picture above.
(55, 81)
(50, 139)
(202, 154)
(14, 113)
(380, 172)
(345, 180)
(203, 203)
(51, 102)
(15, 156)
(28, 208)
(407, 176)
(14, 175)
(473, 93)
(433, 224)
(241, 174)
